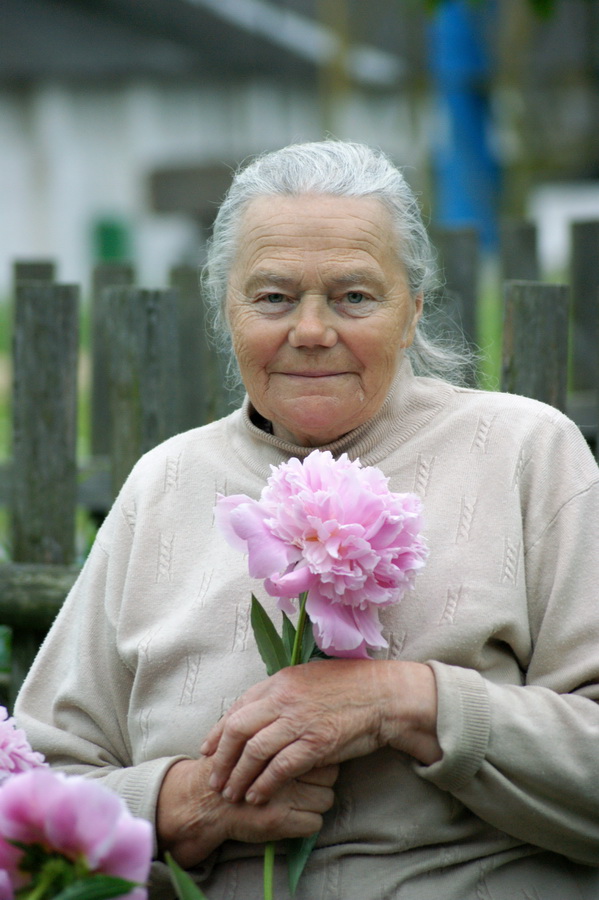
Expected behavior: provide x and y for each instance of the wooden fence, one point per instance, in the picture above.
(154, 373)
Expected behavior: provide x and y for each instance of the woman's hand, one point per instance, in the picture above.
(318, 714)
(192, 820)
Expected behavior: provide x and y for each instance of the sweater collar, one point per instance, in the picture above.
(410, 404)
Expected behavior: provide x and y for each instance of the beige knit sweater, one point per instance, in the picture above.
(154, 642)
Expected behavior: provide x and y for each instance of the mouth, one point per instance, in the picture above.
(312, 374)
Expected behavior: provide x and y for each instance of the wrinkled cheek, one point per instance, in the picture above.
(253, 374)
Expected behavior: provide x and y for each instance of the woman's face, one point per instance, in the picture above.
(319, 311)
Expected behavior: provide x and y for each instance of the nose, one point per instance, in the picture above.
(312, 324)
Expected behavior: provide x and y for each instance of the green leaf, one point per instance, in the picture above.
(184, 885)
(310, 649)
(308, 642)
(268, 640)
(97, 887)
(288, 635)
(298, 854)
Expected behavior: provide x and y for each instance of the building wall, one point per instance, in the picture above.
(74, 153)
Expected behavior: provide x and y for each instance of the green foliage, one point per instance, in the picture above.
(298, 854)
(270, 644)
(55, 877)
(185, 887)
(96, 887)
(277, 652)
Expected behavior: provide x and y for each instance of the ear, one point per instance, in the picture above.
(413, 322)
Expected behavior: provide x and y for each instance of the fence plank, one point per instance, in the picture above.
(518, 251)
(535, 341)
(455, 313)
(104, 275)
(459, 262)
(44, 469)
(33, 270)
(33, 593)
(44, 486)
(197, 357)
(144, 373)
(584, 279)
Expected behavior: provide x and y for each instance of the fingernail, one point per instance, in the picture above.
(250, 797)
(214, 782)
(204, 747)
(228, 794)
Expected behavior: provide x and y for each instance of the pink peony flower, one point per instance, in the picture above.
(331, 528)
(10, 877)
(6, 888)
(76, 818)
(16, 754)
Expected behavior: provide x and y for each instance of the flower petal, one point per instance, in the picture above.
(335, 630)
(130, 849)
(222, 516)
(292, 583)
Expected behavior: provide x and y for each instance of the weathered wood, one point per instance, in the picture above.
(518, 251)
(197, 357)
(205, 392)
(31, 595)
(44, 470)
(104, 275)
(584, 280)
(535, 341)
(459, 260)
(144, 373)
(33, 270)
(44, 488)
(93, 484)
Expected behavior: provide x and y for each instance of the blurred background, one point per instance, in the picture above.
(121, 120)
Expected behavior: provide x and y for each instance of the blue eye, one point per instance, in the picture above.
(274, 298)
(355, 297)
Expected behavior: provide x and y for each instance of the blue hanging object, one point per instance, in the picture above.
(466, 171)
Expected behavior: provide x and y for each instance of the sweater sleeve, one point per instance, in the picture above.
(75, 702)
(524, 757)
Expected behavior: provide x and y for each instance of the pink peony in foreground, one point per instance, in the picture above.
(331, 528)
(76, 818)
(16, 754)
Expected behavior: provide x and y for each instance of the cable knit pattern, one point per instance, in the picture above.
(171, 478)
(483, 431)
(467, 507)
(193, 668)
(154, 643)
(165, 557)
(453, 598)
(423, 474)
(511, 558)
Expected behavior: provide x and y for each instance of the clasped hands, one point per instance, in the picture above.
(268, 766)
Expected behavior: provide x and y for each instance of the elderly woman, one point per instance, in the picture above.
(463, 761)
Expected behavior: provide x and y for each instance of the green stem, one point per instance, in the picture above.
(269, 864)
(296, 658)
(296, 653)
(48, 882)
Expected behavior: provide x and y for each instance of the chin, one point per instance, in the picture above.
(311, 433)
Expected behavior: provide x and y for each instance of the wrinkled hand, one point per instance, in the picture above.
(192, 820)
(319, 714)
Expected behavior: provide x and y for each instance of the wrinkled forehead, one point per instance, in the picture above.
(323, 226)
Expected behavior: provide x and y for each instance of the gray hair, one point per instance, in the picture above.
(342, 169)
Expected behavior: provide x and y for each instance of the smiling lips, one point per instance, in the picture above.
(311, 374)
